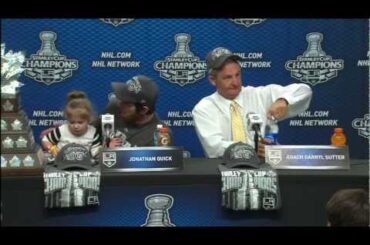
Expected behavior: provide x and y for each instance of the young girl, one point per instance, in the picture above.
(78, 113)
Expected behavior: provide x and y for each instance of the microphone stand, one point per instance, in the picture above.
(256, 129)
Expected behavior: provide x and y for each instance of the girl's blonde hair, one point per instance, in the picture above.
(79, 105)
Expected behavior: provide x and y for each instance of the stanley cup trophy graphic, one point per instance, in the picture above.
(182, 52)
(314, 45)
(158, 206)
(72, 195)
(48, 44)
(19, 153)
(182, 46)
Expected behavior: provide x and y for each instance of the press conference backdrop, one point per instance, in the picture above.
(330, 55)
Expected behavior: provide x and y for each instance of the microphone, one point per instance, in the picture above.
(254, 123)
(107, 124)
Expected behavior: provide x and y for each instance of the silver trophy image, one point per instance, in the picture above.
(254, 195)
(158, 206)
(20, 154)
(182, 46)
(72, 195)
(314, 49)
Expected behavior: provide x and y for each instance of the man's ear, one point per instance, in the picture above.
(212, 79)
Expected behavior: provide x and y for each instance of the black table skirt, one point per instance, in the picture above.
(197, 193)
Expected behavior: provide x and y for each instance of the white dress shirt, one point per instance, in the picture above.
(213, 120)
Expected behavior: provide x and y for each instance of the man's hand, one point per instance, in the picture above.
(261, 147)
(115, 142)
(278, 109)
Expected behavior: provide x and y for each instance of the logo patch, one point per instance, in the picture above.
(275, 156)
(314, 66)
(109, 159)
(362, 125)
(182, 67)
(117, 21)
(247, 22)
(48, 65)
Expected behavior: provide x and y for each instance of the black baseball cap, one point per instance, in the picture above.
(74, 156)
(139, 89)
(217, 57)
(241, 155)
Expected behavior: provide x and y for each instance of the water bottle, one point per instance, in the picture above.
(272, 132)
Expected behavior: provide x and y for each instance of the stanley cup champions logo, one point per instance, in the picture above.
(314, 66)
(247, 22)
(117, 21)
(182, 67)
(362, 125)
(48, 65)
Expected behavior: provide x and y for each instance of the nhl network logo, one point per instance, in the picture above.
(362, 125)
(117, 21)
(182, 67)
(314, 66)
(247, 22)
(48, 65)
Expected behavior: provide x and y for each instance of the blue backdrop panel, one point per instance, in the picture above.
(89, 54)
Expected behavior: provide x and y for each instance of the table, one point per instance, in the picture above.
(196, 191)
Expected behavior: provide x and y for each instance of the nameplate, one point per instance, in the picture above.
(137, 159)
(307, 156)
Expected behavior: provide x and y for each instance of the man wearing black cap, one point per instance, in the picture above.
(220, 118)
(134, 110)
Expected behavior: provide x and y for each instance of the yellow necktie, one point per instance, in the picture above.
(237, 125)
